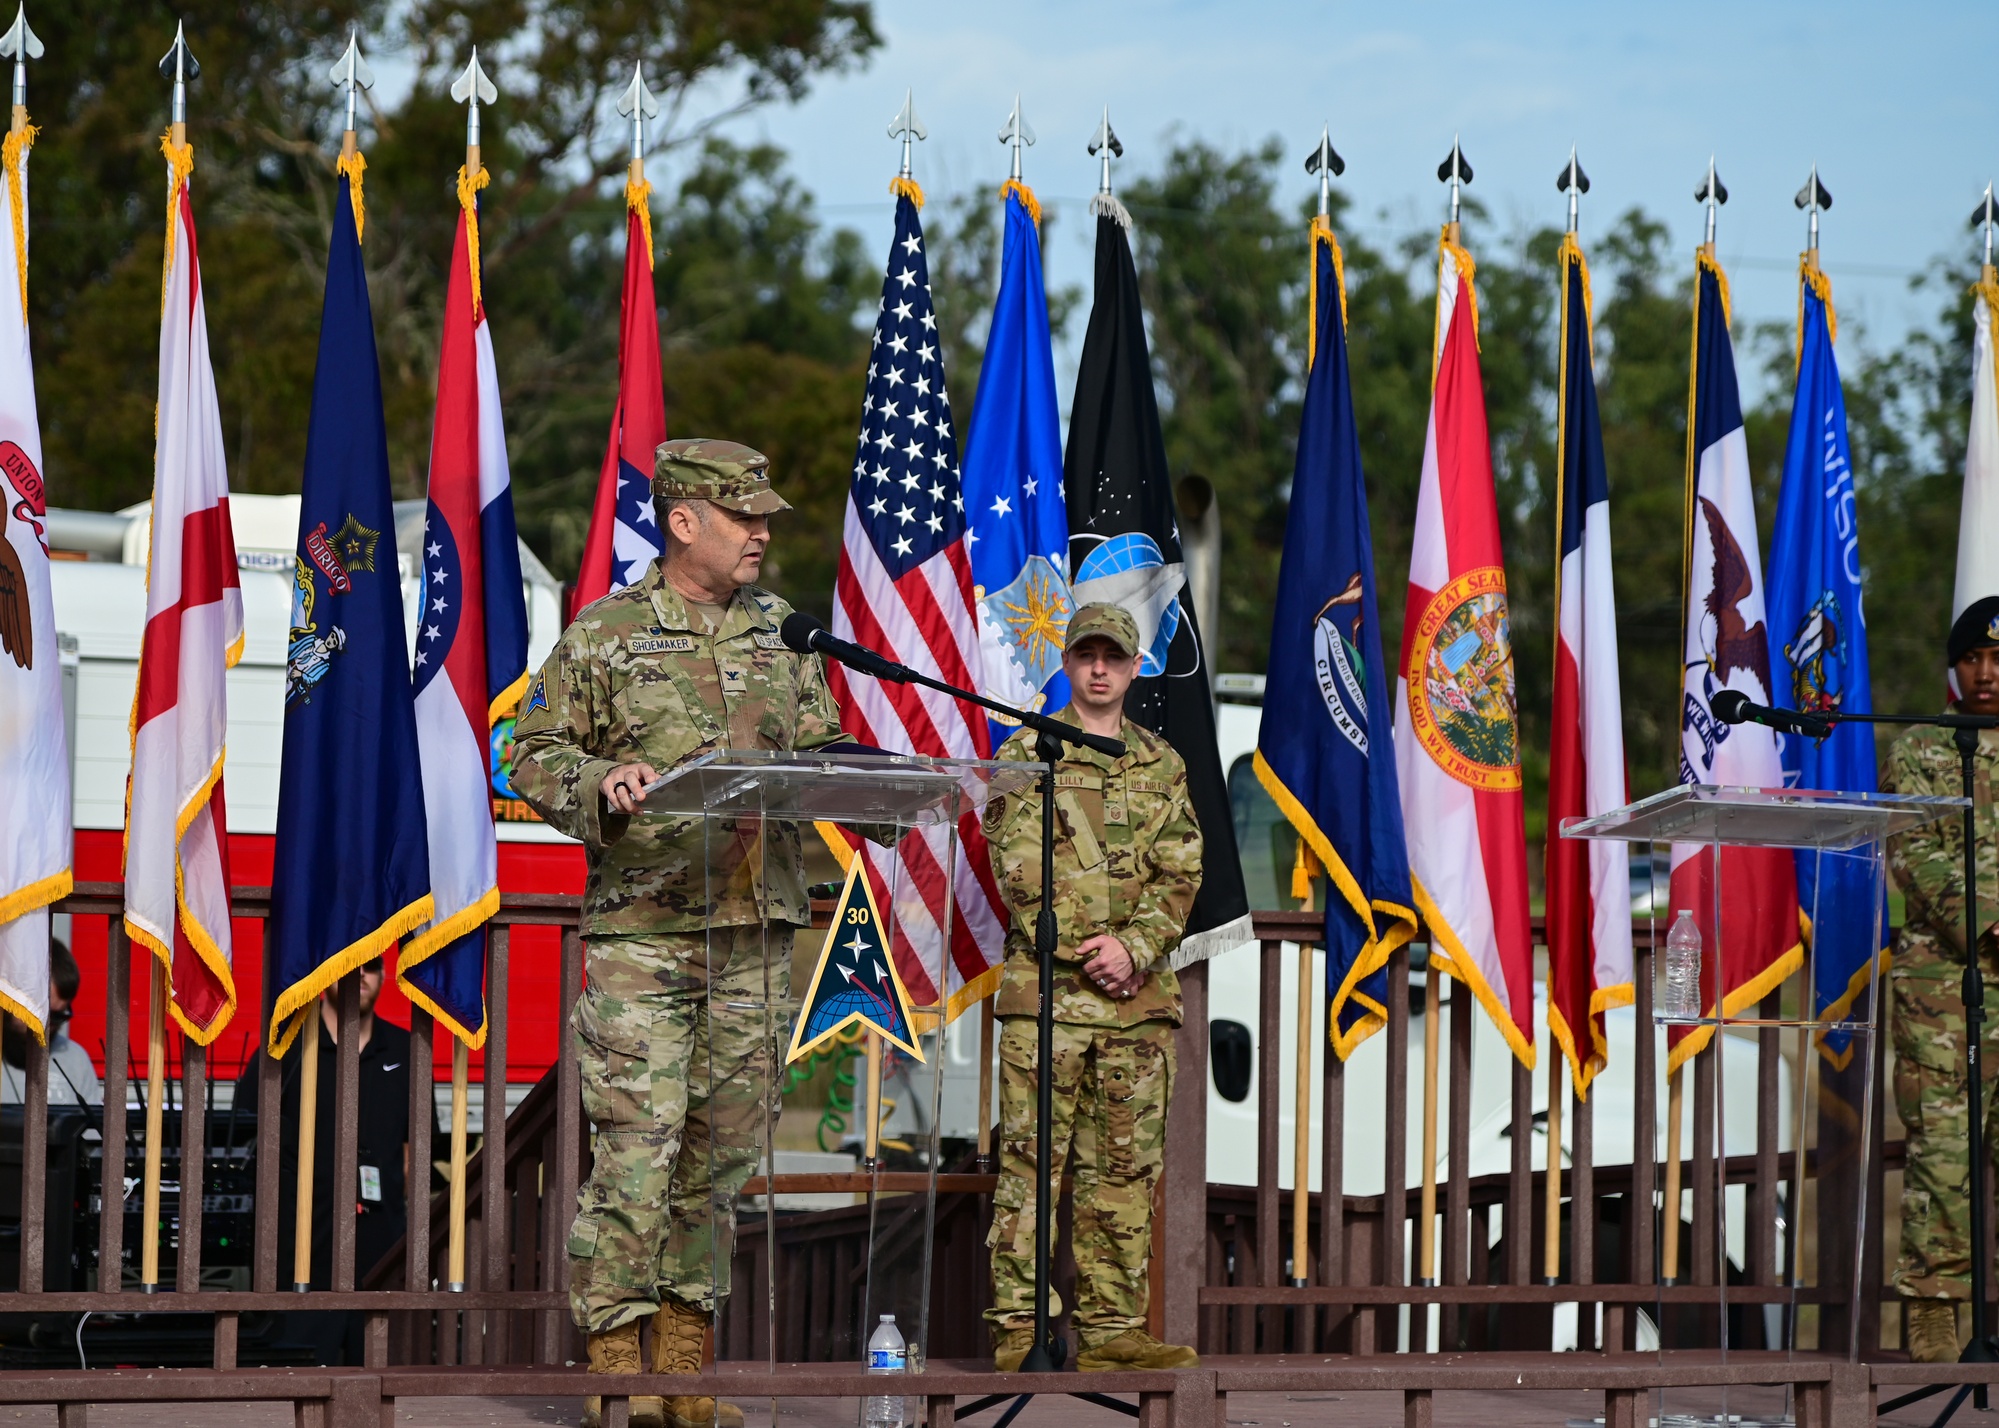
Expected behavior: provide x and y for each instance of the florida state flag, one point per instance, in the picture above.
(1457, 733)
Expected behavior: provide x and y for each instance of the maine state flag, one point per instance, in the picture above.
(1324, 750)
(352, 871)
(1016, 524)
(1818, 660)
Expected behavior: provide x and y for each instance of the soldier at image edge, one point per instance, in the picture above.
(687, 928)
(1933, 1271)
(1128, 863)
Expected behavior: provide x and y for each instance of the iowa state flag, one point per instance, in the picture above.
(1323, 748)
(1727, 647)
(624, 535)
(1457, 733)
(471, 655)
(352, 868)
(1818, 656)
(176, 830)
(1589, 882)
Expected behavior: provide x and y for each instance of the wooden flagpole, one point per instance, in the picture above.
(308, 1143)
(872, 1140)
(156, 1090)
(1669, 1249)
(1551, 1223)
(986, 1033)
(1432, 1034)
(1301, 1127)
(460, 1098)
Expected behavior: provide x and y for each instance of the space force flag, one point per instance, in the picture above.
(1323, 748)
(1589, 882)
(1018, 526)
(352, 868)
(1726, 647)
(176, 830)
(1457, 739)
(1818, 656)
(470, 664)
(34, 753)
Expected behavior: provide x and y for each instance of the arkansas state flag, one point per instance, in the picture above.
(1457, 733)
(34, 751)
(1726, 648)
(471, 655)
(1589, 882)
(176, 834)
(624, 533)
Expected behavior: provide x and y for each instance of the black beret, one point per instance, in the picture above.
(1977, 626)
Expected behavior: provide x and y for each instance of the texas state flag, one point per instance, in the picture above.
(470, 664)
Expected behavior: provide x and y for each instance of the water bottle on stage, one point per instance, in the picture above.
(887, 1354)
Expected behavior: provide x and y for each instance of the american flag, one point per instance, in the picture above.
(905, 588)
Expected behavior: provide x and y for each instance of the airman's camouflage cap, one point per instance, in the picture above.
(1110, 622)
(698, 468)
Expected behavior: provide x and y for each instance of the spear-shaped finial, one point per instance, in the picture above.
(1325, 161)
(472, 89)
(638, 105)
(1574, 182)
(1455, 172)
(1985, 216)
(351, 73)
(908, 128)
(1016, 132)
(1814, 199)
(20, 43)
(180, 65)
(1713, 192)
(1104, 146)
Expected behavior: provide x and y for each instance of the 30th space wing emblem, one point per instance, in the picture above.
(855, 980)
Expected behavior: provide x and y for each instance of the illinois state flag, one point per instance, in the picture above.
(1756, 945)
(471, 655)
(624, 535)
(1322, 749)
(176, 830)
(1818, 654)
(352, 870)
(1457, 739)
(34, 752)
(1589, 882)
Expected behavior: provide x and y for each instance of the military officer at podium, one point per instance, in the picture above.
(1127, 866)
(675, 1080)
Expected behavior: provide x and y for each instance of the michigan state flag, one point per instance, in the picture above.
(1124, 548)
(352, 870)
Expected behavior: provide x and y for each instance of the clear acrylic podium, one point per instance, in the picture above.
(1709, 848)
(817, 1292)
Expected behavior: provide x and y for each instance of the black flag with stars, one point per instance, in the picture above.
(1124, 547)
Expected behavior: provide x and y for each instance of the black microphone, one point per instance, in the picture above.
(802, 633)
(1732, 706)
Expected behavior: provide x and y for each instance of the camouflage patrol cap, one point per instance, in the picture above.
(1978, 625)
(1104, 621)
(699, 468)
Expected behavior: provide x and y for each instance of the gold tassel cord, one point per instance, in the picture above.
(1705, 259)
(1322, 232)
(1572, 252)
(1811, 275)
(903, 186)
(180, 164)
(14, 156)
(1305, 870)
(468, 200)
(1467, 269)
(638, 199)
(1027, 199)
(353, 166)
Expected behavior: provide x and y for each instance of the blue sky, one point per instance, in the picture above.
(1895, 103)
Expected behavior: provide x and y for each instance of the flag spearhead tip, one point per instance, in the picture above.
(1454, 168)
(906, 124)
(637, 101)
(1325, 158)
(1106, 138)
(179, 63)
(20, 42)
(351, 71)
(1813, 194)
(1572, 175)
(473, 81)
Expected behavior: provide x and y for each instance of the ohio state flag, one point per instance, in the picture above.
(1457, 733)
(176, 834)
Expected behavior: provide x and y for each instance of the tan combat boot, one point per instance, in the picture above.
(1135, 1349)
(617, 1351)
(1010, 1346)
(1933, 1331)
(679, 1341)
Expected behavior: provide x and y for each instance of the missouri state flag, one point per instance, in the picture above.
(1818, 657)
(1457, 731)
(624, 536)
(470, 664)
(1323, 749)
(1589, 882)
(1727, 646)
(352, 867)
(176, 828)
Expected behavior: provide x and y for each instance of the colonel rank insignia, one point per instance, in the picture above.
(855, 980)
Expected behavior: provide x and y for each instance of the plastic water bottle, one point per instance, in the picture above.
(1683, 967)
(887, 1354)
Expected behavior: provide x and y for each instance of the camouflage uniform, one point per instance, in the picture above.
(1128, 860)
(1928, 1016)
(688, 923)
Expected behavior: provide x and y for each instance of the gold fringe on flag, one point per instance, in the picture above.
(903, 186)
(1322, 232)
(638, 196)
(1572, 252)
(1811, 275)
(1466, 269)
(1305, 869)
(180, 163)
(13, 155)
(1026, 197)
(354, 165)
(1705, 259)
(468, 190)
